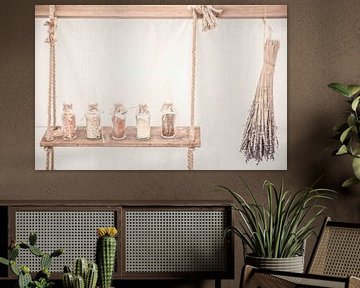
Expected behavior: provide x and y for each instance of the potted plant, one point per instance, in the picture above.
(84, 274)
(275, 233)
(348, 133)
(42, 278)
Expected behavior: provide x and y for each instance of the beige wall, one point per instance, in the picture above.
(324, 46)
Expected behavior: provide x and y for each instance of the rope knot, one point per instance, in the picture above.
(51, 22)
(209, 15)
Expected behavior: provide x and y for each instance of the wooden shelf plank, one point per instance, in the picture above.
(159, 11)
(181, 139)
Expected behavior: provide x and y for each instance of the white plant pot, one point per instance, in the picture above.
(291, 264)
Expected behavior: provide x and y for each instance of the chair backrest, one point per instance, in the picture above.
(337, 251)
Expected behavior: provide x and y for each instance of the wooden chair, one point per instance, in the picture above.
(335, 262)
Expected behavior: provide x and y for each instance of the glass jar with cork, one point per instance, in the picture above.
(119, 122)
(68, 122)
(143, 129)
(168, 119)
(93, 119)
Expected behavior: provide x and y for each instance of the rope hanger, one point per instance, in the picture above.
(51, 22)
(209, 15)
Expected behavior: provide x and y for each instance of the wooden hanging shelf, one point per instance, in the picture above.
(181, 139)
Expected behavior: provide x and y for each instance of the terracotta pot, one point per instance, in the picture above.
(291, 264)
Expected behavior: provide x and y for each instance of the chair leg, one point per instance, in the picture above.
(246, 274)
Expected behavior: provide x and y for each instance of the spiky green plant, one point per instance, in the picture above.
(348, 133)
(279, 229)
(106, 254)
(84, 273)
(42, 278)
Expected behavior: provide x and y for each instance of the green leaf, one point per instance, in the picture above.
(354, 145)
(340, 88)
(45, 261)
(356, 167)
(32, 238)
(342, 150)
(353, 89)
(349, 182)
(4, 261)
(57, 252)
(36, 251)
(345, 134)
(355, 103)
(351, 120)
(14, 268)
(13, 253)
(24, 245)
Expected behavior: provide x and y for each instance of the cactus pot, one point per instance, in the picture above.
(291, 264)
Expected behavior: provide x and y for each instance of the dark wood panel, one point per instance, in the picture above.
(120, 208)
(3, 239)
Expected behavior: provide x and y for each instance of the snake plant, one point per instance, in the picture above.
(279, 228)
(348, 132)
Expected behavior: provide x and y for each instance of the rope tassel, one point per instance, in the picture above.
(259, 138)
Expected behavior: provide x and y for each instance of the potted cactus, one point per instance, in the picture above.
(106, 254)
(42, 278)
(84, 275)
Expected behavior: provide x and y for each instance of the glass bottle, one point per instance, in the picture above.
(143, 123)
(119, 122)
(93, 129)
(168, 119)
(68, 122)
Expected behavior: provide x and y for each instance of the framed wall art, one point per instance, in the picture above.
(124, 87)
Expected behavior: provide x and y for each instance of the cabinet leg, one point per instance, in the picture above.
(217, 283)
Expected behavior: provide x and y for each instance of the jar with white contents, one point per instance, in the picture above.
(143, 123)
(93, 119)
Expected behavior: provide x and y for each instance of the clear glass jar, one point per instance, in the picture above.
(93, 119)
(168, 118)
(68, 122)
(143, 123)
(119, 122)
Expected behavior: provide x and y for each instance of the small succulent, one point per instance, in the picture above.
(43, 283)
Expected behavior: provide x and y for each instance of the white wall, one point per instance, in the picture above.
(149, 61)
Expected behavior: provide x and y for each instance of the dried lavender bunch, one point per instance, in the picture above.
(259, 137)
